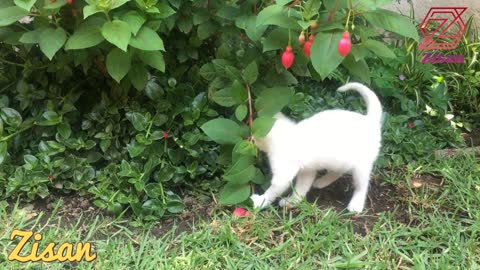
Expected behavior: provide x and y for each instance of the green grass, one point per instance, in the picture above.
(440, 230)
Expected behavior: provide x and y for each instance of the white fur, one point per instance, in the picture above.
(336, 140)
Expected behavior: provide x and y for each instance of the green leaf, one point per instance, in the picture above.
(118, 64)
(242, 171)
(139, 121)
(244, 148)
(90, 10)
(233, 194)
(184, 24)
(147, 40)
(134, 20)
(154, 91)
(10, 15)
(205, 30)
(25, 4)
(258, 178)
(276, 15)
(64, 130)
(30, 161)
(135, 149)
(138, 75)
(359, 52)
(51, 41)
(118, 3)
(32, 37)
(153, 59)
(224, 97)
(393, 22)
(276, 40)
(223, 131)
(251, 72)
(165, 10)
(49, 118)
(11, 117)
(272, 100)
(325, 56)
(310, 9)
(241, 112)
(357, 68)
(86, 36)
(379, 48)
(253, 30)
(118, 33)
(3, 151)
(175, 207)
(262, 126)
(241, 176)
(208, 72)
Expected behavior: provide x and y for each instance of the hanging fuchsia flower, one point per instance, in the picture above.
(410, 124)
(165, 135)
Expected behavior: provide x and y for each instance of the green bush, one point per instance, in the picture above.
(128, 100)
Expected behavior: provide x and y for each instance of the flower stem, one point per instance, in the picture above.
(250, 111)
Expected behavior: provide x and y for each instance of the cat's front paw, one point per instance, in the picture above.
(259, 201)
(355, 207)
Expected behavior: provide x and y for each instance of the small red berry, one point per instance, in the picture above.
(410, 124)
(344, 45)
(301, 38)
(69, 2)
(288, 57)
(165, 135)
(308, 46)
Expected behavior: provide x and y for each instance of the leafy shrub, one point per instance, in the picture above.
(128, 100)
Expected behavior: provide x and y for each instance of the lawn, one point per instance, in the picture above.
(418, 218)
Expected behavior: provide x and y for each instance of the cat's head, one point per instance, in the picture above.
(282, 123)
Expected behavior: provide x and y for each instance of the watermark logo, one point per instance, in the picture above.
(65, 252)
(449, 31)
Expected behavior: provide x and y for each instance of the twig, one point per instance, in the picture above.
(294, 3)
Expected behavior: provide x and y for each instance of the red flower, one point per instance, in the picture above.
(410, 124)
(308, 46)
(344, 45)
(165, 134)
(301, 38)
(240, 212)
(288, 57)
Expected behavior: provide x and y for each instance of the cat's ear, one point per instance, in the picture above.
(280, 115)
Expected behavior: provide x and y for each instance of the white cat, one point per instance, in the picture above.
(336, 140)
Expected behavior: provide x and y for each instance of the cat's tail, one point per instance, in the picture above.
(374, 108)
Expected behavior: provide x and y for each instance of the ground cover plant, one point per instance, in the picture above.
(89, 106)
(426, 218)
(145, 109)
